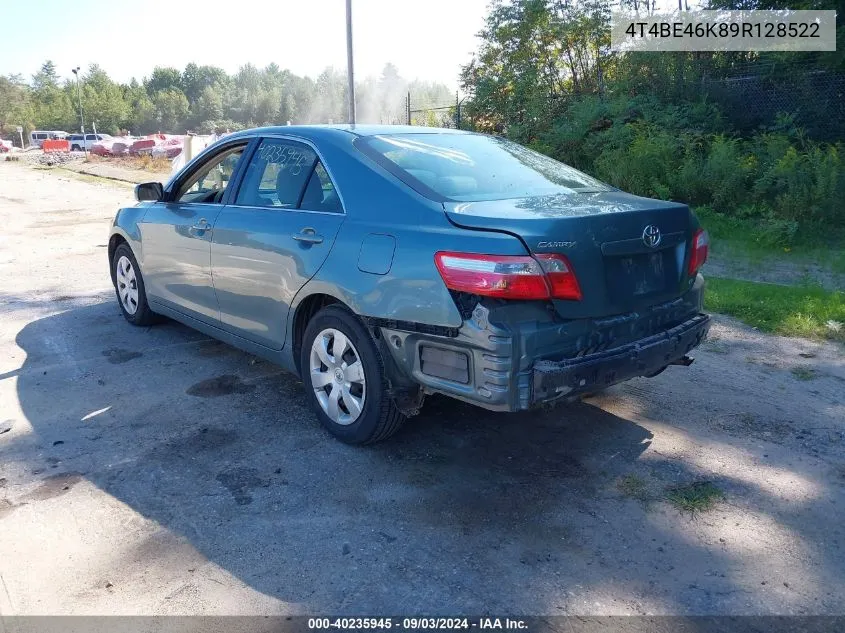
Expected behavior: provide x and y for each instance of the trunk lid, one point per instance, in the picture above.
(604, 235)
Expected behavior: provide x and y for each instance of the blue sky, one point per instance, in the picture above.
(426, 39)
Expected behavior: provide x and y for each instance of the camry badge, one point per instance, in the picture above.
(555, 244)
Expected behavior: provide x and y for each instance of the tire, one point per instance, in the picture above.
(129, 288)
(76, 148)
(363, 412)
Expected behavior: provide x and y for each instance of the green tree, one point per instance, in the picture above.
(163, 78)
(15, 106)
(46, 77)
(208, 107)
(104, 101)
(195, 79)
(141, 119)
(171, 110)
(53, 107)
(535, 54)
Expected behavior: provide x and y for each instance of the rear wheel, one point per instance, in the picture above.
(129, 287)
(343, 374)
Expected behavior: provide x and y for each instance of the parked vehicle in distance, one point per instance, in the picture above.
(37, 137)
(79, 142)
(385, 263)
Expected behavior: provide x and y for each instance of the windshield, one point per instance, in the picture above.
(469, 167)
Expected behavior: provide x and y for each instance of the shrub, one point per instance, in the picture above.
(775, 181)
(646, 166)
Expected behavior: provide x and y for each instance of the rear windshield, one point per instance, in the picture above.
(468, 167)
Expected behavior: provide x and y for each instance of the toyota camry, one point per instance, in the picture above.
(382, 264)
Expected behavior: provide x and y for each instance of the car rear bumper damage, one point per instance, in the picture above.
(516, 357)
(645, 357)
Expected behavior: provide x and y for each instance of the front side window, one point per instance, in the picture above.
(209, 183)
(469, 167)
(288, 175)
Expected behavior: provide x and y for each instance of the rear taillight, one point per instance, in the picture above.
(700, 245)
(509, 276)
(562, 280)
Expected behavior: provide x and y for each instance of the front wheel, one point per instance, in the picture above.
(129, 287)
(343, 374)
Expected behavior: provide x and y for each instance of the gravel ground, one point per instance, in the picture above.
(155, 471)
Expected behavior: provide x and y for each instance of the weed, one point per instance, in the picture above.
(633, 486)
(804, 373)
(698, 496)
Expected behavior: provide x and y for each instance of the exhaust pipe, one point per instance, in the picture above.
(686, 361)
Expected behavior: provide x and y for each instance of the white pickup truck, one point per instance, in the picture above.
(79, 143)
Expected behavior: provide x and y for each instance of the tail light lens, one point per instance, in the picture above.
(700, 246)
(508, 276)
(562, 280)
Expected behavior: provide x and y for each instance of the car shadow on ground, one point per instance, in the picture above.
(463, 511)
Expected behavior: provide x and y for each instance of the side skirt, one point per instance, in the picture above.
(279, 357)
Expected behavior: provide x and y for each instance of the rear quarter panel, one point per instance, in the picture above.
(378, 204)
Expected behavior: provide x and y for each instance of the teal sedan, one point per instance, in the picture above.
(385, 263)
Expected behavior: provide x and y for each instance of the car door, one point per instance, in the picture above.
(176, 235)
(273, 237)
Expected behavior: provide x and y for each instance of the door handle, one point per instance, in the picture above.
(202, 225)
(308, 236)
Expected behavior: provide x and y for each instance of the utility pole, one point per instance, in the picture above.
(457, 111)
(408, 104)
(81, 117)
(350, 73)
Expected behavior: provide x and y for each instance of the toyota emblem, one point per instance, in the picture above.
(651, 236)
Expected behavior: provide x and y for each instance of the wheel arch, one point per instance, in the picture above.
(114, 241)
(303, 313)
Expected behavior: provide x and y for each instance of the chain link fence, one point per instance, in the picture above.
(447, 116)
(775, 95)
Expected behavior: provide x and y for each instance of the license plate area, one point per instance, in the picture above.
(642, 274)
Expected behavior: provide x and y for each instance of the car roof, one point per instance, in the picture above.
(323, 131)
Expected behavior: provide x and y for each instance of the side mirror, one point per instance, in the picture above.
(149, 191)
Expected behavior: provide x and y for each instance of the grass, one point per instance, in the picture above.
(145, 162)
(747, 238)
(806, 311)
(804, 373)
(698, 496)
(633, 486)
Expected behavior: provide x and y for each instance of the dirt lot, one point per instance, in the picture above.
(154, 471)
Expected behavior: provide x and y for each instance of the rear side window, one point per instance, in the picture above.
(320, 193)
(287, 175)
(470, 167)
